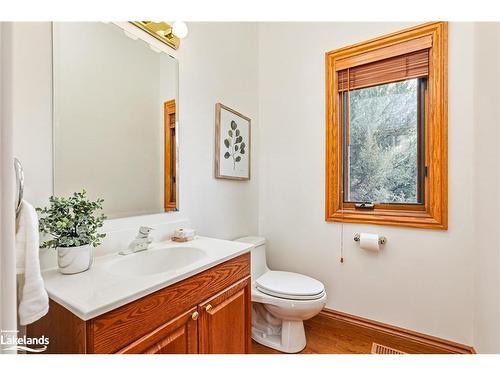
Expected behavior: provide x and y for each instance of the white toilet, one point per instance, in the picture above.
(281, 301)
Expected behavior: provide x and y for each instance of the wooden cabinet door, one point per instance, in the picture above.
(225, 321)
(178, 336)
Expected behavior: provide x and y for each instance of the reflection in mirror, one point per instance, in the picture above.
(115, 119)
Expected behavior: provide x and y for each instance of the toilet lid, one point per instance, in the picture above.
(289, 285)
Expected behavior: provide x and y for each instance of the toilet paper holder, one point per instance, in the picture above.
(381, 239)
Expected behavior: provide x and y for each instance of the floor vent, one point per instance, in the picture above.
(381, 349)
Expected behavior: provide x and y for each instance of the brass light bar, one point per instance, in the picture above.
(160, 30)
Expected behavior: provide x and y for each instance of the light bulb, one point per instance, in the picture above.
(180, 29)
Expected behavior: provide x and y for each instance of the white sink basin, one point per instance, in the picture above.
(150, 262)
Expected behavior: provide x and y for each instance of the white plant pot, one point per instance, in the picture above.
(74, 259)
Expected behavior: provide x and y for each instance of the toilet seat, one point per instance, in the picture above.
(292, 297)
(290, 285)
(281, 301)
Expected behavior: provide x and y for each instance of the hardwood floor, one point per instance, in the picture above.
(330, 336)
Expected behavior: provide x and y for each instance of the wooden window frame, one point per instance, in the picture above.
(433, 214)
(170, 172)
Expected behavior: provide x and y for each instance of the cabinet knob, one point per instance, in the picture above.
(208, 308)
(195, 315)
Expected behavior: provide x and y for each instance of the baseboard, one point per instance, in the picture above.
(440, 345)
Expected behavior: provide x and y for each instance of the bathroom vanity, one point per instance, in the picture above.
(172, 298)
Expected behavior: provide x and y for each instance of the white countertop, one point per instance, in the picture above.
(97, 291)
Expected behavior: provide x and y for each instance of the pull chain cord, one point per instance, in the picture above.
(341, 242)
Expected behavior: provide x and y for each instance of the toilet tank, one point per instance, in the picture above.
(258, 261)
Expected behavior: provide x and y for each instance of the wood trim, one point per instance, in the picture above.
(435, 215)
(436, 344)
(169, 199)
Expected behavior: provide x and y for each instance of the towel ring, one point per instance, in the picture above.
(19, 184)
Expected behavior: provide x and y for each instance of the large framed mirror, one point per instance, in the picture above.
(115, 119)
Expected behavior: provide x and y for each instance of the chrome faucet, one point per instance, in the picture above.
(140, 243)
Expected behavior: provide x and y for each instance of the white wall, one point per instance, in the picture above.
(218, 63)
(213, 68)
(422, 280)
(487, 174)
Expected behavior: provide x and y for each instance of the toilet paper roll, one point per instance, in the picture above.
(369, 241)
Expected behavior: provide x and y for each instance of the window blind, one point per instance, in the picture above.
(397, 68)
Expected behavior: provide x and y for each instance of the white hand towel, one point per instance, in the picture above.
(34, 301)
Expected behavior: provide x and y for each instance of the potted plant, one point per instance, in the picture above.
(72, 224)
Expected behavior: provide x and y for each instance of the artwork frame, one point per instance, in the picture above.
(232, 144)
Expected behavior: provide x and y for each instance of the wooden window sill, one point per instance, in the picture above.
(412, 219)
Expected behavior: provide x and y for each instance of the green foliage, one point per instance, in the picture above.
(71, 221)
(383, 149)
(234, 143)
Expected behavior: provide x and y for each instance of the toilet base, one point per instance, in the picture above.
(291, 338)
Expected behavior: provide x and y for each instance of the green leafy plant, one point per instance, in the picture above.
(72, 221)
(234, 143)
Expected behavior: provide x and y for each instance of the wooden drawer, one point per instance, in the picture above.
(178, 336)
(112, 331)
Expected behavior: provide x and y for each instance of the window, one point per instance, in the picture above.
(386, 145)
(383, 139)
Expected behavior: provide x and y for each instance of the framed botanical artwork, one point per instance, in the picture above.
(232, 144)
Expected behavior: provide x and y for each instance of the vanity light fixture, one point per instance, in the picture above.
(164, 32)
